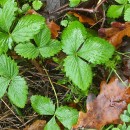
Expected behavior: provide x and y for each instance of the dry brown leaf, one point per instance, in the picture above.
(107, 107)
(37, 125)
(31, 11)
(54, 29)
(82, 18)
(116, 33)
(117, 38)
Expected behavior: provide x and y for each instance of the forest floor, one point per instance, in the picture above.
(41, 76)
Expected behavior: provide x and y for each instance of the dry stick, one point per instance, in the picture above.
(41, 71)
(5, 115)
(104, 17)
(28, 121)
(39, 68)
(57, 102)
(76, 9)
(99, 4)
(63, 9)
(97, 22)
(11, 110)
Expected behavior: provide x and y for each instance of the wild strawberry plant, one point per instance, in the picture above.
(122, 7)
(10, 34)
(44, 106)
(30, 38)
(82, 51)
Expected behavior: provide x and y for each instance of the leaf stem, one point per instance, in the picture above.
(123, 54)
(119, 77)
(109, 75)
(57, 102)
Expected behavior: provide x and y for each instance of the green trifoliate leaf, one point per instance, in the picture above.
(125, 118)
(50, 49)
(42, 105)
(78, 71)
(74, 3)
(3, 86)
(121, 1)
(73, 36)
(67, 116)
(27, 50)
(7, 15)
(43, 37)
(17, 91)
(127, 15)
(37, 4)
(8, 68)
(4, 41)
(115, 11)
(98, 50)
(52, 125)
(46, 46)
(27, 27)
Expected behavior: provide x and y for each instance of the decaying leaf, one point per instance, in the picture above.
(116, 33)
(31, 11)
(54, 29)
(107, 107)
(83, 18)
(37, 125)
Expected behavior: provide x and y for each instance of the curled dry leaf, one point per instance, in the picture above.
(116, 33)
(54, 29)
(82, 18)
(31, 11)
(107, 107)
(37, 125)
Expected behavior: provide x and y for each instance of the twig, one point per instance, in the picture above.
(76, 9)
(11, 111)
(99, 4)
(38, 67)
(119, 77)
(104, 17)
(5, 115)
(91, 10)
(52, 86)
(28, 121)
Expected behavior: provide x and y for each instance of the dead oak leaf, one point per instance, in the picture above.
(54, 29)
(107, 107)
(83, 18)
(116, 33)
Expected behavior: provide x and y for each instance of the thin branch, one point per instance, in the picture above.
(11, 111)
(52, 86)
(99, 4)
(76, 9)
